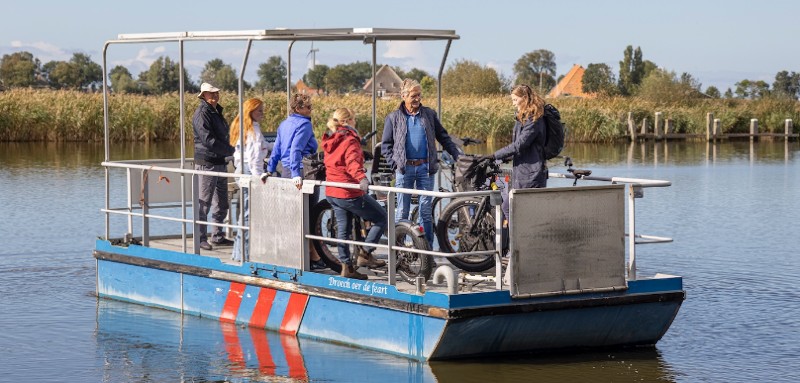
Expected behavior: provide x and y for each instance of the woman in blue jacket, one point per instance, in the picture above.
(527, 146)
(295, 140)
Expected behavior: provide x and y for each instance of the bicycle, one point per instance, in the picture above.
(407, 234)
(468, 223)
(446, 163)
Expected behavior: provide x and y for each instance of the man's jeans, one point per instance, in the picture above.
(416, 177)
(213, 198)
(365, 207)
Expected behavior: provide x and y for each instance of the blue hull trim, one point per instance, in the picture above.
(377, 316)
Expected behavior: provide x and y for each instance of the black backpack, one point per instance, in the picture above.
(555, 132)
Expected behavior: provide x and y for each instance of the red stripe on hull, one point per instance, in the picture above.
(263, 306)
(294, 313)
(232, 302)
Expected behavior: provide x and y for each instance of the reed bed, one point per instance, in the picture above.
(47, 115)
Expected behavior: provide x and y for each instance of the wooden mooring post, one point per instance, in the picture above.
(717, 133)
(787, 128)
(631, 127)
(709, 126)
(657, 127)
(753, 129)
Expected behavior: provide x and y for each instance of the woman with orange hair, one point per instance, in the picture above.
(255, 150)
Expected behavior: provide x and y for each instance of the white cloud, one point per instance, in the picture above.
(42, 50)
(403, 49)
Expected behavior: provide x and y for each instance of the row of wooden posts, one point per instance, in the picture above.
(663, 129)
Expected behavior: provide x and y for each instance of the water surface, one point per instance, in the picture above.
(732, 211)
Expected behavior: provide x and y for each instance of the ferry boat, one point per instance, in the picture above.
(571, 282)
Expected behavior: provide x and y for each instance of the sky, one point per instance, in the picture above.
(718, 42)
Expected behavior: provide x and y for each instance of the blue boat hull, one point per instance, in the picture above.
(377, 316)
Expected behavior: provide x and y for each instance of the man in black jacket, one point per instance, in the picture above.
(211, 146)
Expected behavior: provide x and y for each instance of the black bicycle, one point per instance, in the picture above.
(448, 170)
(468, 223)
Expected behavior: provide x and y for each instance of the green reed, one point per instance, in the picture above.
(46, 115)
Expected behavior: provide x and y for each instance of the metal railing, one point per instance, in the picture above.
(634, 188)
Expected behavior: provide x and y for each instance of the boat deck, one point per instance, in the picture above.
(223, 253)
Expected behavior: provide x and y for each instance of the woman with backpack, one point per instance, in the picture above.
(344, 162)
(526, 149)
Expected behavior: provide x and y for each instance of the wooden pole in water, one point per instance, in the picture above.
(657, 126)
(668, 128)
(631, 127)
(709, 126)
(787, 128)
(753, 129)
(716, 133)
(644, 126)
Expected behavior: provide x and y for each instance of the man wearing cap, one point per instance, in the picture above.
(211, 136)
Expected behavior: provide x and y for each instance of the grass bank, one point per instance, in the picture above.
(46, 115)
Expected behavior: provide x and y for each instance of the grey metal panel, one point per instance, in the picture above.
(277, 223)
(569, 239)
(162, 187)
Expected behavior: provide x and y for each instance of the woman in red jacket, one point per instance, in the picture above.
(344, 162)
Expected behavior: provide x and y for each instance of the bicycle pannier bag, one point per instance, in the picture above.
(314, 167)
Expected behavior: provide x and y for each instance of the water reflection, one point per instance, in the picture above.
(145, 344)
(138, 343)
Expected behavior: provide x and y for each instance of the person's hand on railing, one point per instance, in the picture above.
(364, 184)
(298, 182)
(264, 177)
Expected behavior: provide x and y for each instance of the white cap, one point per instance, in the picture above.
(206, 87)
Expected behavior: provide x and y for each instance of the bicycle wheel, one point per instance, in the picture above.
(323, 224)
(412, 265)
(453, 234)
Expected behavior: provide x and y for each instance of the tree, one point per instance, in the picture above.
(428, 84)
(537, 68)
(62, 75)
(599, 78)
(80, 71)
(163, 77)
(631, 70)
(272, 75)
(786, 84)
(315, 77)
(665, 86)
(121, 80)
(469, 77)
(18, 69)
(712, 92)
(88, 71)
(221, 75)
(416, 74)
(729, 93)
(345, 78)
(751, 89)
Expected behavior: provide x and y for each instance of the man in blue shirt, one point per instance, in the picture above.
(409, 146)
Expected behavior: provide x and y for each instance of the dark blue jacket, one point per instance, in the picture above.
(211, 135)
(393, 142)
(527, 150)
